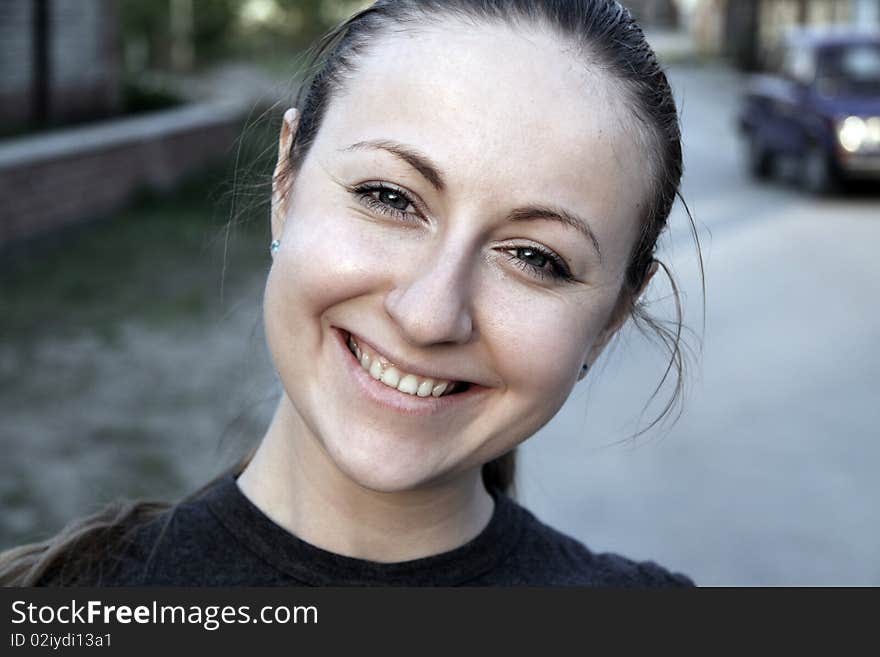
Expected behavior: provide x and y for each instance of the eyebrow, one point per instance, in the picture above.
(536, 212)
(433, 174)
(417, 160)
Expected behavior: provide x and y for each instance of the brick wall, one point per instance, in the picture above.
(74, 175)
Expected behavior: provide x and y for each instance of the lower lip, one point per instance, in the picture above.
(395, 400)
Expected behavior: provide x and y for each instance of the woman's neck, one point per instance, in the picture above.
(295, 483)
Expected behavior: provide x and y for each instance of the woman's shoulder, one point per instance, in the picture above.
(546, 556)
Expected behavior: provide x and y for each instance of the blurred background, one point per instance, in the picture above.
(136, 143)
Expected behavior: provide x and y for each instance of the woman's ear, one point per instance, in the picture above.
(281, 182)
(616, 323)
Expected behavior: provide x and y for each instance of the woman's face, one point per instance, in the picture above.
(427, 222)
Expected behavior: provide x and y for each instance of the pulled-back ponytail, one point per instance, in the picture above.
(77, 555)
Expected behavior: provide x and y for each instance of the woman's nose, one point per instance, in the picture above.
(432, 304)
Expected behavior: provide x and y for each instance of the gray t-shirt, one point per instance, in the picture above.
(220, 538)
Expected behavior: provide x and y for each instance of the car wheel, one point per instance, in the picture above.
(817, 175)
(760, 158)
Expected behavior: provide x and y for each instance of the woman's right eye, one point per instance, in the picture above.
(392, 198)
(387, 200)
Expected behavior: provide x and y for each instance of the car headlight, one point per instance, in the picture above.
(856, 133)
(852, 132)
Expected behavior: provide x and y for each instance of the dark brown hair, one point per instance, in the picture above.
(609, 39)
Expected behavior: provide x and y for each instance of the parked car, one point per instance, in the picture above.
(819, 107)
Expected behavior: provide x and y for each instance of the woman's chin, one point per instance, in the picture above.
(388, 478)
(388, 473)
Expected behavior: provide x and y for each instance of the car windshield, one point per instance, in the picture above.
(850, 69)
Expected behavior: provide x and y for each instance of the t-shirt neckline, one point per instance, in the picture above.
(313, 565)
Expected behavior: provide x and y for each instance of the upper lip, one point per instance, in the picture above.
(403, 364)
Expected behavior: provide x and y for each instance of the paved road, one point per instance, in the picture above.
(770, 476)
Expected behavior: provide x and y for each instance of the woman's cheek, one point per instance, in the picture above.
(535, 337)
(547, 342)
(333, 257)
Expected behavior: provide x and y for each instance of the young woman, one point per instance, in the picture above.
(464, 212)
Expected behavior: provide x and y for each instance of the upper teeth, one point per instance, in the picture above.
(393, 377)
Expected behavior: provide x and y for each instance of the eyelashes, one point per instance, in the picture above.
(558, 269)
(371, 195)
(392, 201)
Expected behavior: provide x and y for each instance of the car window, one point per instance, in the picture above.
(861, 63)
(799, 64)
(853, 68)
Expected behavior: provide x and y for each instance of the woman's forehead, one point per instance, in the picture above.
(487, 88)
(501, 110)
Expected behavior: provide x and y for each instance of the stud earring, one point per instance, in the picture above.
(273, 247)
(584, 368)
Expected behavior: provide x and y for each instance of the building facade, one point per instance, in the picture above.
(745, 31)
(60, 61)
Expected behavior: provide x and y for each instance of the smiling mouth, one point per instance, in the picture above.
(385, 372)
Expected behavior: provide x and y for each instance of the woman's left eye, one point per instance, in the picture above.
(387, 200)
(535, 261)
